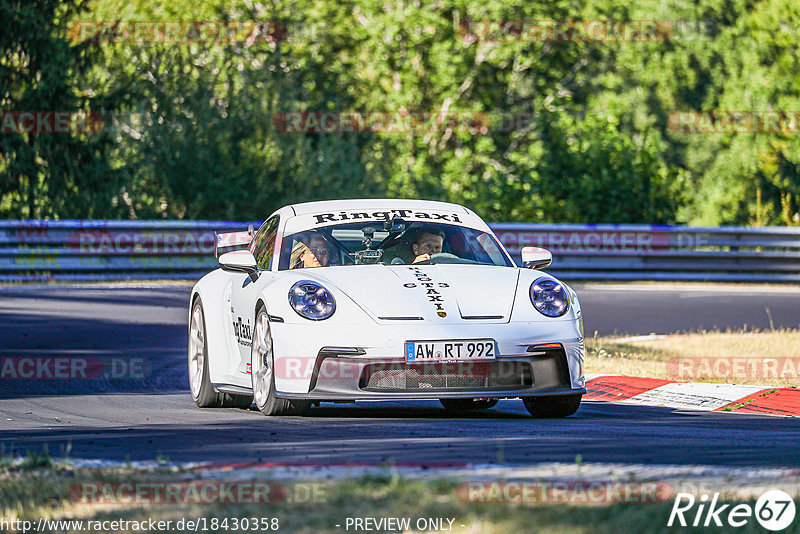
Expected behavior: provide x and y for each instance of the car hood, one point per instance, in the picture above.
(441, 293)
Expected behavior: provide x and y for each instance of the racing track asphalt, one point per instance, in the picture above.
(152, 415)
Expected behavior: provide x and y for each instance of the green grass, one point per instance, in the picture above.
(30, 492)
(651, 357)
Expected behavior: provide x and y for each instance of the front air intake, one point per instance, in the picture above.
(446, 376)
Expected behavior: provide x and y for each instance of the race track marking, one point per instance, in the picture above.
(619, 388)
(768, 401)
(693, 395)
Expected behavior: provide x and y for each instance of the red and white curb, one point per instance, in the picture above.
(694, 395)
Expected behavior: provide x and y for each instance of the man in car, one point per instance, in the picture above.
(315, 252)
(429, 241)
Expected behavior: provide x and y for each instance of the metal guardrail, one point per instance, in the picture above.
(659, 252)
(113, 250)
(108, 250)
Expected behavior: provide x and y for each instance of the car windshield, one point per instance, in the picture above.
(393, 242)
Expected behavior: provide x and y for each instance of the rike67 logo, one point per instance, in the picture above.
(774, 510)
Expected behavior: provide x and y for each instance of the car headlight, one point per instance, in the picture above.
(311, 300)
(549, 297)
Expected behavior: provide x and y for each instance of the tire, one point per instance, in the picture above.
(262, 376)
(199, 382)
(468, 405)
(552, 407)
(203, 393)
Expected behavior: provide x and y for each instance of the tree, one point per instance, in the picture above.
(48, 174)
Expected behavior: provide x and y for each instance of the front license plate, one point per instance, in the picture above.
(455, 350)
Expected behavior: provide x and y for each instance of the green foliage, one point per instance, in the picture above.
(36, 460)
(49, 175)
(578, 131)
(595, 174)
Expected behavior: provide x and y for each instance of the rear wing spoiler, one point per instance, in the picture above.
(231, 241)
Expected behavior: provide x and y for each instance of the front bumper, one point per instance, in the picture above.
(331, 364)
(346, 377)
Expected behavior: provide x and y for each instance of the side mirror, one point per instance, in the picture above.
(536, 258)
(240, 261)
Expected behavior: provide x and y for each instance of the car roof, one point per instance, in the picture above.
(306, 208)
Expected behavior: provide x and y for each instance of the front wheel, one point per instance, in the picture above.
(468, 405)
(262, 362)
(552, 407)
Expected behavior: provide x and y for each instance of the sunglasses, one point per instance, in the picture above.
(320, 251)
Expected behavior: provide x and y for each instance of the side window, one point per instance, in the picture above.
(263, 246)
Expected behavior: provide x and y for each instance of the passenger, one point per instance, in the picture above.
(315, 252)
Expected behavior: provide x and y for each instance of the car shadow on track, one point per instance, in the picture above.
(600, 432)
(507, 409)
(412, 410)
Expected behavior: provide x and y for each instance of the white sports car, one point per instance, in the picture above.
(369, 300)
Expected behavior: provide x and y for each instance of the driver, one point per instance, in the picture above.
(429, 241)
(315, 252)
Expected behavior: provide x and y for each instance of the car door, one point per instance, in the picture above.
(245, 292)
